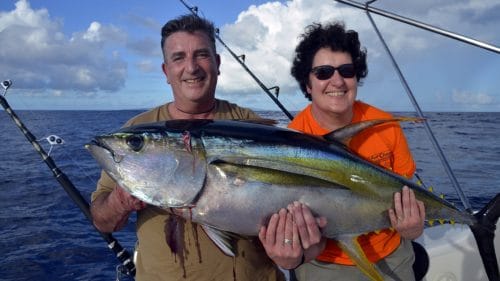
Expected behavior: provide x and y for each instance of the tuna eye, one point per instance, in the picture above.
(135, 142)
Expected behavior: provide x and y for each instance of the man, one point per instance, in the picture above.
(191, 66)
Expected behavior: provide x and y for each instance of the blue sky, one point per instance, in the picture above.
(105, 54)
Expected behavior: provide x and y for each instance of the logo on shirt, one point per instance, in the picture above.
(383, 159)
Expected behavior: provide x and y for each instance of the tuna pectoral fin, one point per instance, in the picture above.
(225, 241)
(351, 247)
(174, 234)
(269, 165)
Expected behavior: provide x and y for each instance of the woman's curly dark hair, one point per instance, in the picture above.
(333, 36)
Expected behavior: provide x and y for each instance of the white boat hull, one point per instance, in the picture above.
(453, 253)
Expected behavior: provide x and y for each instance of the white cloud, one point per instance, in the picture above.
(267, 34)
(148, 66)
(36, 54)
(472, 99)
(40, 57)
(92, 34)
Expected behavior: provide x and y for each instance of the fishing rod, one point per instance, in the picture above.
(241, 61)
(127, 265)
(422, 25)
(434, 142)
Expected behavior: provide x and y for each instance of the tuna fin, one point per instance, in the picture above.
(295, 172)
(174, 236)
(354, 183)
(484, 233)
(349, 244)
(225, 241)
(345, 134)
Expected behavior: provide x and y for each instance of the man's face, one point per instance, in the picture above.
(191, 66)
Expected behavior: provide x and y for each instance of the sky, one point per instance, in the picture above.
(95, 54)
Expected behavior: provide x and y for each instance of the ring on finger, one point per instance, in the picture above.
(287, 241)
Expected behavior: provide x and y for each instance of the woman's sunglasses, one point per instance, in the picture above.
(324, 72)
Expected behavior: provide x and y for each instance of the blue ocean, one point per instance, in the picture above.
(44, 236)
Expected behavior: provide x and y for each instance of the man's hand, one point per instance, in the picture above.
(110, 211)
(126, 201)
(408, 214)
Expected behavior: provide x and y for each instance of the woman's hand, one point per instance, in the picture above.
(408, 214)
(281, 240)
(293, 236)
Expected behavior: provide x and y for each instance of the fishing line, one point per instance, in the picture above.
(121, 253)
(421, 25)
(430, 134)
(57, 144)
(52, 140)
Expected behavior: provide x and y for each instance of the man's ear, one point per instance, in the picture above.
(164, 69)
(217, 61)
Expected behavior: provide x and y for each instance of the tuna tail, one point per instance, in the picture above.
(349, 244)
(484, 233)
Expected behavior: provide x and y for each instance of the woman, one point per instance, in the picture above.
(328, 65)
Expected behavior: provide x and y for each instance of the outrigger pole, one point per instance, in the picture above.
(418, 24)
(113, 244)
(241, 61)
(438, 149)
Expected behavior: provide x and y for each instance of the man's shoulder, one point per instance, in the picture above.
(227, 104)
(151, 115)
(228, 110)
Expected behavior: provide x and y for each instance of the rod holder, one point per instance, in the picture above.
(6, 84)
(276, 90)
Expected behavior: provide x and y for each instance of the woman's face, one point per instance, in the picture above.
(335, 94)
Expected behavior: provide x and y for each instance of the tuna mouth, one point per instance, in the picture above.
(100, 143)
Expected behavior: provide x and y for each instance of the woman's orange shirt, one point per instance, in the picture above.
(384, 145)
